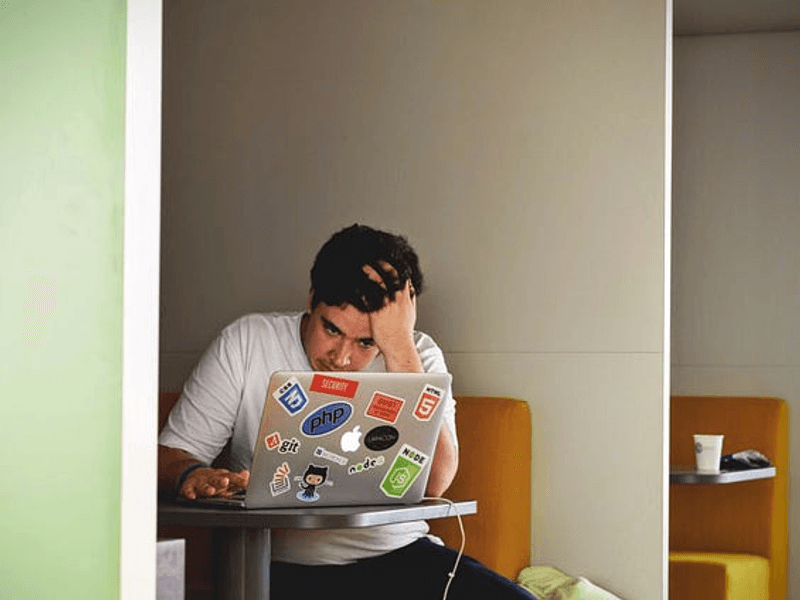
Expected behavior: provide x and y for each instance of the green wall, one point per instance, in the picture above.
(62, 150)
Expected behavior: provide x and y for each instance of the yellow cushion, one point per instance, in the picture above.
(718, 576)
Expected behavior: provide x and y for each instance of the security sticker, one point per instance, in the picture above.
(428, 400)
(273, 440)
(280, 483)
(404, 471)
(327, 455)
(365, 465)
(313, 478)
(291, 396)
(336, 386)
(384, 407)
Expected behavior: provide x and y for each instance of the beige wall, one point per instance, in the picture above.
(519, 145)
(736, 242)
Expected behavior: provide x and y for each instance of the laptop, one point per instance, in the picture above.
(338, 439)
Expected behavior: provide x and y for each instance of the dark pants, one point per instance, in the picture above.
(415, 572)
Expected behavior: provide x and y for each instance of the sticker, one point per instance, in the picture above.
(404, 471)
(351, 440)
(280, 483)
(291, 396)
(381, 438)
(384, 407)
(427, 402)
(322, 453)
(346, 388)
(327, 418)
(367, 464)
(289, 446)
(273, 440)
(313, 478)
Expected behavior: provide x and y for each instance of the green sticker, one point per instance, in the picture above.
(406, 467)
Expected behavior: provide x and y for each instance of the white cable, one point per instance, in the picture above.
(452, 573)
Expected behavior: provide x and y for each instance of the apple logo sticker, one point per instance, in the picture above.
(351, 440)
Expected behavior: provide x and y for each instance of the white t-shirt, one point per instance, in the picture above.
(223, 399)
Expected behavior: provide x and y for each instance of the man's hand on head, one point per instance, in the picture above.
(207, 482)
(393, 325)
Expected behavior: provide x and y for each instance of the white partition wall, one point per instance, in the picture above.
(521, 146)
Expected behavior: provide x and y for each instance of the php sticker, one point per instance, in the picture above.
(384, 407)
(326, 419)
(336, 386)
(405, 469)
(428, 400)
(280, 483)
(381, 438)
(291, 396)
(327, 455)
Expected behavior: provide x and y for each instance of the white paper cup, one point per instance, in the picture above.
(708, 452)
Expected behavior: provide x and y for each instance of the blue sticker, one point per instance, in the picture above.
(291, 396)
(327, 418)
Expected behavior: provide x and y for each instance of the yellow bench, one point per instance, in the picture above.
(730, 541)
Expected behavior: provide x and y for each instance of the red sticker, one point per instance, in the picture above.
(335, 386)
(384, 407)
(427, 403)
(273, 440)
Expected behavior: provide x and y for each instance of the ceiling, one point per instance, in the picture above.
(694, 17)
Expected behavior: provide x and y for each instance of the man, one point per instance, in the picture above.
(360, 315)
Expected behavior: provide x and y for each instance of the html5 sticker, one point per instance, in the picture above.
(336, 386)
(427, 403)
(384, 407)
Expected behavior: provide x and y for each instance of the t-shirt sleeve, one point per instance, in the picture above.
(201, 422)
(433, 362)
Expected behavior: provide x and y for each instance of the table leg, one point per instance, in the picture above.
(243, 562)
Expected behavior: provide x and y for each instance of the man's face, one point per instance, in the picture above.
(338, 338)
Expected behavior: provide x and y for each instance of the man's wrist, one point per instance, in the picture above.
(185, 474)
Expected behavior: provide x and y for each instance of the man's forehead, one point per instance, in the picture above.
(347, 319)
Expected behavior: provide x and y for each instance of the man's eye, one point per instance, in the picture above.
(367, 343)
(331, 329)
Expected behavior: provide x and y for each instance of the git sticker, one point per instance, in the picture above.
(404, 471)
(291, 396)
(427, 402)
(384, 407)
(273, 440)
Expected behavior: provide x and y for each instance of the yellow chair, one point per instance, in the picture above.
(730, 541)
(494, 437)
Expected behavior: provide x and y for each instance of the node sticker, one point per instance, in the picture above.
(384, 407)
(280, 483)
(336, 386)
(428, 402)
(326, 419)
(381, 438)
(322, 453)
(291, 396)
(313, 478)
(404, 471)
(365, 465)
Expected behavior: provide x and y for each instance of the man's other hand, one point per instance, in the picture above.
(207, 482)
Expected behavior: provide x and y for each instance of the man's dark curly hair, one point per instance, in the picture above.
(338, 278)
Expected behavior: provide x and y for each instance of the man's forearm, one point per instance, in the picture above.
(171, 463)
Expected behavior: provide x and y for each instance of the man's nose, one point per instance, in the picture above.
(341, 355)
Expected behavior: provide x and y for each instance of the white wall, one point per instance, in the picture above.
(736, 229)
(521, 146)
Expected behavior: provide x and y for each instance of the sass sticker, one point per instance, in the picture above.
(291, 396)
(365, 465)
(381, 438)
(351, 440)
(428, 400)
(335, 386)
(384, 407)
(320, 452)
(405, 469)
(280, 483)
(326, 419)
(273, 440)
(313, 478)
